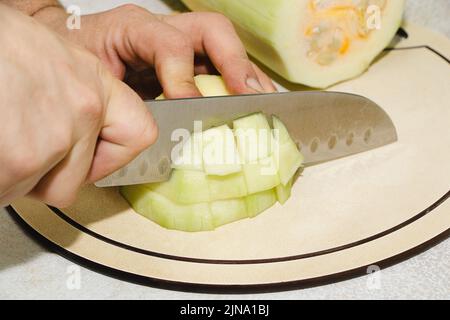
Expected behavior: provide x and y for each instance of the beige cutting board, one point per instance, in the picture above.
(373, 208)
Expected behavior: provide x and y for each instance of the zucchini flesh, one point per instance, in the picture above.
(220, 154)
(228, 187)
(260, 202)
(184, 187)
(261, 175)
(167, 213)
(254, 137)
(227, 211)
(288, 157)
(190, 187)
(283, 192)
(191, 156)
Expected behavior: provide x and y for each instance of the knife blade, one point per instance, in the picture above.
(325, 125)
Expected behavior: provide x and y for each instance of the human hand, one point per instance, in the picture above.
(65, 119)
(132, 36)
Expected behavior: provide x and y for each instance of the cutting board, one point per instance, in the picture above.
(346, 218)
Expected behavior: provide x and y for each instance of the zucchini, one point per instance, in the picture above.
(313, 42)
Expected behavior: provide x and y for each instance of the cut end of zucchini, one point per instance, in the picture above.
(229, 180)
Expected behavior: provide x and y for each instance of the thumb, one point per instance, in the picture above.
(129, 128)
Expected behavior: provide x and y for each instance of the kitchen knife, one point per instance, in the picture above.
(325, 125)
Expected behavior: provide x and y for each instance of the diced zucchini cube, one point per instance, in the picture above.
(261, 175)
(190, 155)
(254, 137)
(227, 211)
(220, 154)
(228, 187)
(284, 192)
(259, 202)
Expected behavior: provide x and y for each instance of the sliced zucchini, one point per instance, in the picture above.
(261, 175)
(211, 187)
(220, 154)
(191, 154)
(283, 192)
(288, 158)
(260, 202)
(227, 211)
(228, 187)
(254, 137)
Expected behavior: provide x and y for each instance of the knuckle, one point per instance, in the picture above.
(180, 43)
(131, 8)
(219, 19)
(61, 144)
(23, 163)
(55, 195)
(89, 104)
(171, 39)
(183, 88)
(147, 134)
(150, 135)
(58, 201)
(239, 64)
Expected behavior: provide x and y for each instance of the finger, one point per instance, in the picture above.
(174, 65)
(31, 157)
(226, 52)
(168, 50)
(60, 186)
(265, 80)
(129, 128)
(18, 190)
(175, 70)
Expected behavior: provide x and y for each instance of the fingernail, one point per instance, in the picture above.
(254, 84)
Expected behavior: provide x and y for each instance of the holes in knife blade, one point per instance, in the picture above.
(332, 142)
(163, 166)
(368, 135)
(314, 145)
(143, 167)
(122, 172)
(350, 139)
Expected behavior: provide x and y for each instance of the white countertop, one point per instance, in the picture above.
(28, 271)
